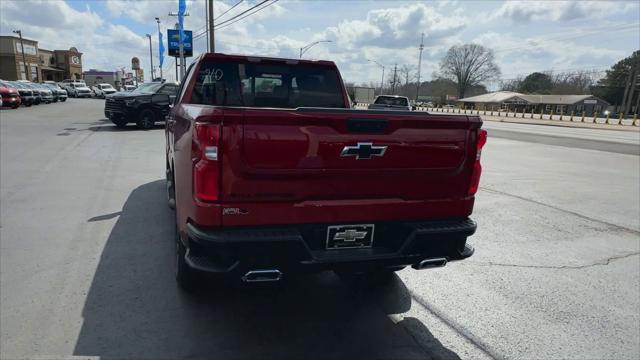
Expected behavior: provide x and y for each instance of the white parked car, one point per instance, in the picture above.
(129, 87)
(102, 90)
(78, 89)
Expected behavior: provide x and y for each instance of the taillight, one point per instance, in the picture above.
(206, 168)
(481, 139)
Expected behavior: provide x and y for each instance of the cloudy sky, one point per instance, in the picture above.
(527, 36)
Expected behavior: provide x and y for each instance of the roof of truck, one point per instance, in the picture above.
(257, 58)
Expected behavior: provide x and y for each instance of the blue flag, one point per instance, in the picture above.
(182, 9)
(161, 48)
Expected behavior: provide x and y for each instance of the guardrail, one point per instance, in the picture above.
(582, 117)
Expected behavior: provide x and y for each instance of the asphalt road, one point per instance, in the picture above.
(86, 258)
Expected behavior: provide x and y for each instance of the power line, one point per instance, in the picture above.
(229, 22)
(246, 13)
(229, 9)
(571, 36)
(243, 12)
(219, 16)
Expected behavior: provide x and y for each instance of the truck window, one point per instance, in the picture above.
(262, 85)
(390, 100)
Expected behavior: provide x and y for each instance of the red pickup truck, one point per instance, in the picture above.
(272, 173)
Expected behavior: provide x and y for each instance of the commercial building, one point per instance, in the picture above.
(93, 77)
(559, 104)
(42, 64)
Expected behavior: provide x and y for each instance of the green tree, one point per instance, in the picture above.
(536, 83)
(611, 87)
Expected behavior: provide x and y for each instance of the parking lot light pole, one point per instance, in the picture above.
(158, 21)
(153, 76)
(24, 61)
(309, 46)
(381, 81)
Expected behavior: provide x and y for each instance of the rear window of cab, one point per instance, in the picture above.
(267, 85)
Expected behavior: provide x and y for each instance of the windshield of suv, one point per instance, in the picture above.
(390, 100)
(147, 88)
(105, 86)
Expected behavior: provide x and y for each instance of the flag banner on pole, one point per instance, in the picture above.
(161, 48)
(182, 8)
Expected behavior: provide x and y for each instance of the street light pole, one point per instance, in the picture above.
(158, 21)
(309, 46)
(24, 61)
(153, 76)
(381, 81)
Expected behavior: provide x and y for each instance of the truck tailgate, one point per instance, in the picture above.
(295, 156)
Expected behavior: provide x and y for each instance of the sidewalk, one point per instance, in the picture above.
(548, 120)
(534, 119)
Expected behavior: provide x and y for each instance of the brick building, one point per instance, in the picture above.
(55, 65)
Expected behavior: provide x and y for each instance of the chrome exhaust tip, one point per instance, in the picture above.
(262, 276)
(430, 263)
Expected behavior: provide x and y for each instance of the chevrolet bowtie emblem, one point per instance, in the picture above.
(350, 235)
(363, 151)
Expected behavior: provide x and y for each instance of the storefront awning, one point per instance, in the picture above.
(46, 68)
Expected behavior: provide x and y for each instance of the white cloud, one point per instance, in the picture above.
(48, 14)
(527, 11)
(398, 27)
(520, 56)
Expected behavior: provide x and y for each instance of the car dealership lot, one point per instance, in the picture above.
(86, 259)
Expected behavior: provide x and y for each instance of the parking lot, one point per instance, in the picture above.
(87, 252)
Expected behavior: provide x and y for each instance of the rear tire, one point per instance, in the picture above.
(146, 119)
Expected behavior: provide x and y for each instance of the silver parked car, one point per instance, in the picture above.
(102, 90)
(58, 92)
(390, 102)
(79, 89)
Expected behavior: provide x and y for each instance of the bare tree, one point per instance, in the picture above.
(407, 74)
(578, 82)
(511, 84)
(469, 65)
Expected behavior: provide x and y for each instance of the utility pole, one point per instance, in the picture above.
(182, 62)
(24, 61)
(206, 22)
(395, 71)
(153, 76)
(212, 41)
(632, 86)
(176, 59)
(419, 66)
(158, 21)
(626, 88)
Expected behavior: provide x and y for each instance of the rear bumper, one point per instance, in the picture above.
(302, 248)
